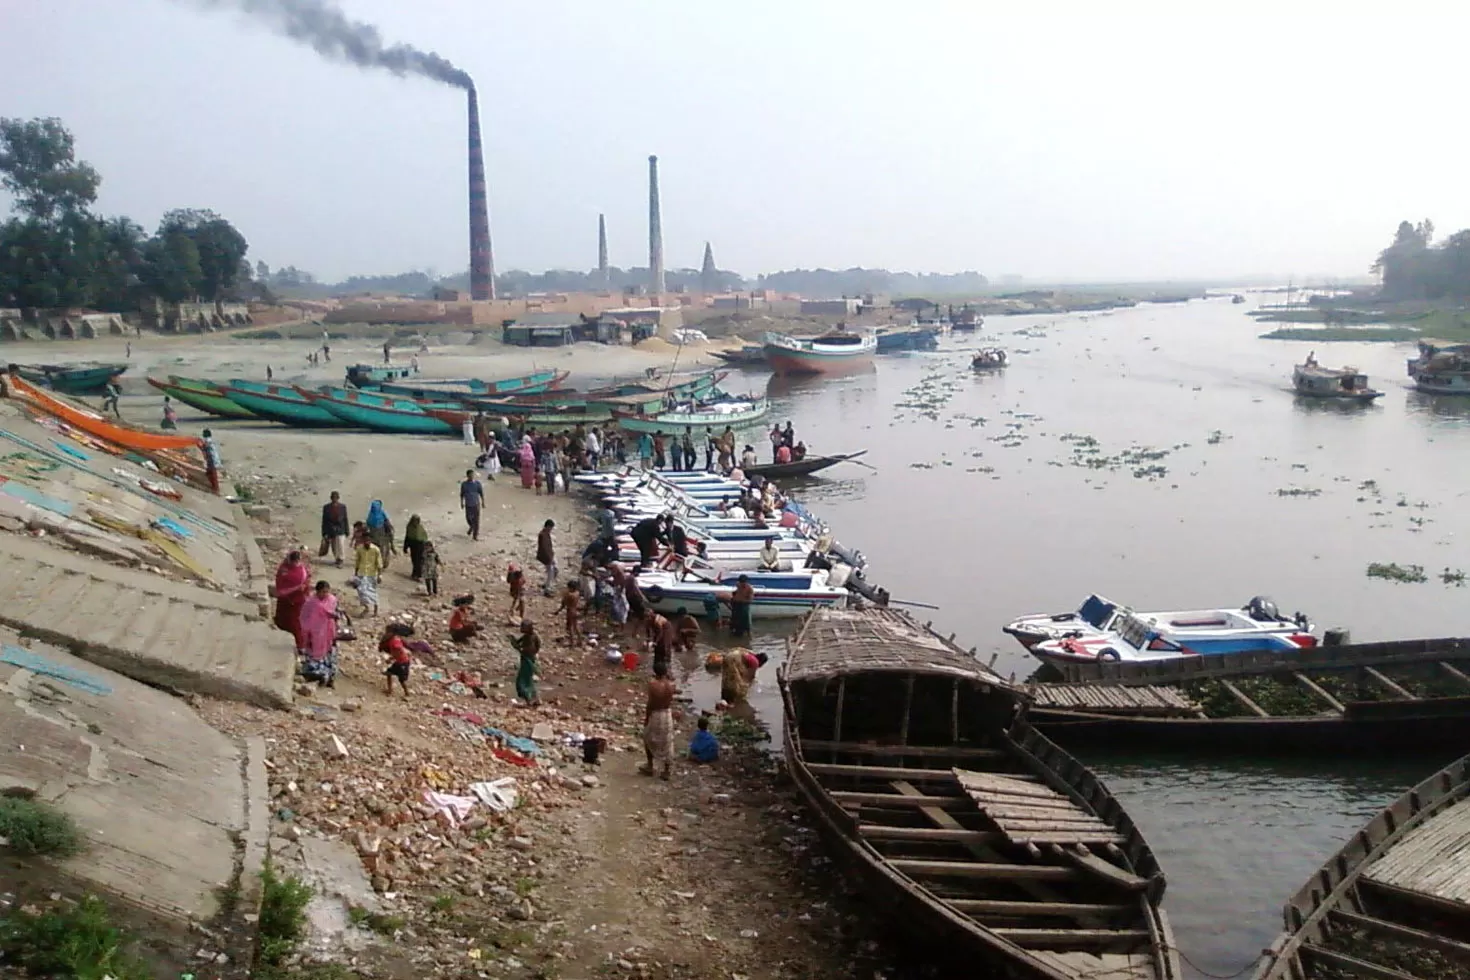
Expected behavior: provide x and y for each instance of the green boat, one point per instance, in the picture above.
(280, 403)
(89, 379)
(383, 413)
(203, 395)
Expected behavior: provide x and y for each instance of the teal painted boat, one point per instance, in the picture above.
(526, 384)
(279, 403)
(82, 379)
(383, 413)
(203, 395)
(738, 413)
(637, 396)
(367, 375)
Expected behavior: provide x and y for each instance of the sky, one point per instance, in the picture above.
(1156, 141)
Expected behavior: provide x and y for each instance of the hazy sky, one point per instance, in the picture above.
(1038, 139)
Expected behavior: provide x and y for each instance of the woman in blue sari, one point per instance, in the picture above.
(380, 530)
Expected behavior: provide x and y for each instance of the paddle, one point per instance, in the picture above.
(861, 463)
(910, 602)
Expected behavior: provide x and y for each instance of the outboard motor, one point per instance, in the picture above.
(1262, 609)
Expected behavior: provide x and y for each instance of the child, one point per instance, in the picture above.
(399, 660)
(462, 625)
(571, 603)
(515, 579)
(704, 747)
(431, 569)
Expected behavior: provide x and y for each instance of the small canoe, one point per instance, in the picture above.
(203, 395)
(801, 467)
(367, 375)
(90, 379)
(1394, 903)
(999, 852)
(382, 413)
(736, 413)
(280, 403)
(95, 423)
(750, 355)
(445, 391)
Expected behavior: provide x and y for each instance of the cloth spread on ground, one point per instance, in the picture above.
(37, 664)
(455, 808)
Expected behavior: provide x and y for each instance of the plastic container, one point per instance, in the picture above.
(630, 660)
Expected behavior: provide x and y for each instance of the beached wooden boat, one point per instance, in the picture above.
(449, 391)
(838, 352)
(94, 423)
(280, 403)
(995, 848)
(381, 412)
(1394, 902)
(749, 355)
(736, 413)
(801, 467)
(1312, 380)
(368, 375)
(639, 395)
(203, 395)
(72, 379)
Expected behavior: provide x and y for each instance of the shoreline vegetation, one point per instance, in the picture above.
(1376, 323)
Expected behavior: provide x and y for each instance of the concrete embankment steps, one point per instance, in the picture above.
(143, 625)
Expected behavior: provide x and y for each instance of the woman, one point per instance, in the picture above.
(528, 644)
(380, 530)
(292, 581)
(527, 461)
(170, 417)
(737, 672)
(319, 636)
(367, 567)
(415, 539)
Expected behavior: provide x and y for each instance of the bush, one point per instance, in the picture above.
(79, 942)
(35, 827)
(282, 916)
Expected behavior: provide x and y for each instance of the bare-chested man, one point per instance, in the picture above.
(658, 722)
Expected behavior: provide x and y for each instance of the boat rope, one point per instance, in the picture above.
(1218, 976)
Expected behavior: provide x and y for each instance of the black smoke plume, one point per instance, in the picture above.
(328, 31)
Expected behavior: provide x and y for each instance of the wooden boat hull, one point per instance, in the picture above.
(282, 403)
(381, 413)
(446, 391)
(676, 422)
(72, 381)
(744, 357)
(95, 424)
(804, 467)
(913, 338)
(201, 395)
(786, 361)
(367, 375)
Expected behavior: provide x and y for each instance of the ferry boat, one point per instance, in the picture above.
(1441, 369)
(1346, 384)
(838, 352)
(1131, 638)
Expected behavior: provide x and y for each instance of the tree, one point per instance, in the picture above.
(262, 272)
(219, 247)
(38, 165)
(173, 268)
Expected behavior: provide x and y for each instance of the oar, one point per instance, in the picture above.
(910, 602)
(861, 463)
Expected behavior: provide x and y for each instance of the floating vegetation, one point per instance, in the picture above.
(1395, 572)
(921, 466)
(1449, 577)
(1150, 472)
(1216, 437)
(1298, 492)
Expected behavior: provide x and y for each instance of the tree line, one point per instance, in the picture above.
(56, 252)
(1414, 267)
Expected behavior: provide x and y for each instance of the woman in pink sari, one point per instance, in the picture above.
(319, 636)
(293, 578)
(527, 461)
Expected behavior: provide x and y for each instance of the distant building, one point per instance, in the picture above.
(837, 307)
(445, 295)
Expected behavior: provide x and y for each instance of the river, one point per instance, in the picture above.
(1155, 455)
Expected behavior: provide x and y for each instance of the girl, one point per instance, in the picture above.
(415, 540)
(515, 580)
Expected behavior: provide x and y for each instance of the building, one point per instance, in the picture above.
(834, 307)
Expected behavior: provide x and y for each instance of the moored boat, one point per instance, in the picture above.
(203, 395)
(367, 375)
(280, 403)
(450, 390)
(1097, 615)
(1441, 369)
(95, 423)
(1315, 381)
(777, 594)
(838, 352)
(734, 412)
(80, 379)
(892, 340)
(966, 320)
(382, 413)
(749, 355)
(1394, 902)
(989, 844)
(1132, 639)
(988, 358)
(805, 466)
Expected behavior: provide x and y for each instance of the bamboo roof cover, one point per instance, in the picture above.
(832, 642)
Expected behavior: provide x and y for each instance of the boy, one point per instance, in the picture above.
(431, 569)
(399, 662)
(571, 604)
(515, 580)
(704, 747)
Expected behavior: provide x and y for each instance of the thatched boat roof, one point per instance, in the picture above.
(832, 642)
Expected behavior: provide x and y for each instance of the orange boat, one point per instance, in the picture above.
(94, 423)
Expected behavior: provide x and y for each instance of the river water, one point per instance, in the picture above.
(1155, 455)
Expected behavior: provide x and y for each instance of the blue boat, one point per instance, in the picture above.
(279, 403)
(907, 338)
(525, 384)
(383, 413)
(72, 380)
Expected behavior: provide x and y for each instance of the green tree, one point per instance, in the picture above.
(172, 269)
(38, 165)
(219, 246)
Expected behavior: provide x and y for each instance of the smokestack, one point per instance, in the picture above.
(655, 233)
(482, 263)
(602, 277)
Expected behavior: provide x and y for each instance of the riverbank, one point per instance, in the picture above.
(1388, 323)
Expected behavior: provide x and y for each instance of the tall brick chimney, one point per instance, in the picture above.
(655, 233)
(602, 272)
(482, 262)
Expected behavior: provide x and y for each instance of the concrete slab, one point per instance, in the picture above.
(160, 794)
(143, 625)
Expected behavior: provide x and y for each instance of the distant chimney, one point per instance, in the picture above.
(655, 233)
(482, 263)
(709, 275)
(603, 278)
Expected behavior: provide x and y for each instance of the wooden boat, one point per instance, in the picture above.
(635, 393)
(280, 403)
(1441, 369)
(892, 340)
(1394, 902)
(382, 413)
(800, 467)
(966, 320)
(94, 423)
(995, 848)
(1346, 384)
(449, 391)
(86, 379)
(367, 375)
(838, 352)
(203, 395)
(750, 355)
(737, 413)
(989, 358)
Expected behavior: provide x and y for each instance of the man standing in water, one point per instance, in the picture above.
(471, 500)
(658, 722)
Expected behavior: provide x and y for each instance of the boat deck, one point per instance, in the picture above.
(1150, 700)
(1030, 813)
(1432, 859)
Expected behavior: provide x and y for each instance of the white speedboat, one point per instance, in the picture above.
(1097, 615)
(1131, 638)
(706, 591)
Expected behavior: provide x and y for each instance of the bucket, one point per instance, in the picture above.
(630, 660)
(592, 749)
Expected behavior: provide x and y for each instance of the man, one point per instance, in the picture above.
(645, 451)
(658, 722)
(740, 602)
(788, 437)
(471, 500)
(647, 535)
(770, 556)
(109, 399)
(546, 555)
(747, 458)
(334, 527)
(659, 461)
(711, 447)
(213, 465)
(777, 437)
(690, 456)
(678, 540)
(387, 348)
(727, 449)
(607, 525)
(688, 630)
(593, 447)
(665, 637)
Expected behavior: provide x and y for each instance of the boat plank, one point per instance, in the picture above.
(894, 800)
(873, 831)
(975, 869)
(1004, 784)
(1105, 871)
(1318, 690)
(1352, 964)
(1432, 859)
(917, 751)
(1418, 937)
(1454, 672)
(1067, 837)
(1072, 937)
(986, 906)
(1240, 696)
(881, 772)
(1392, 685)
